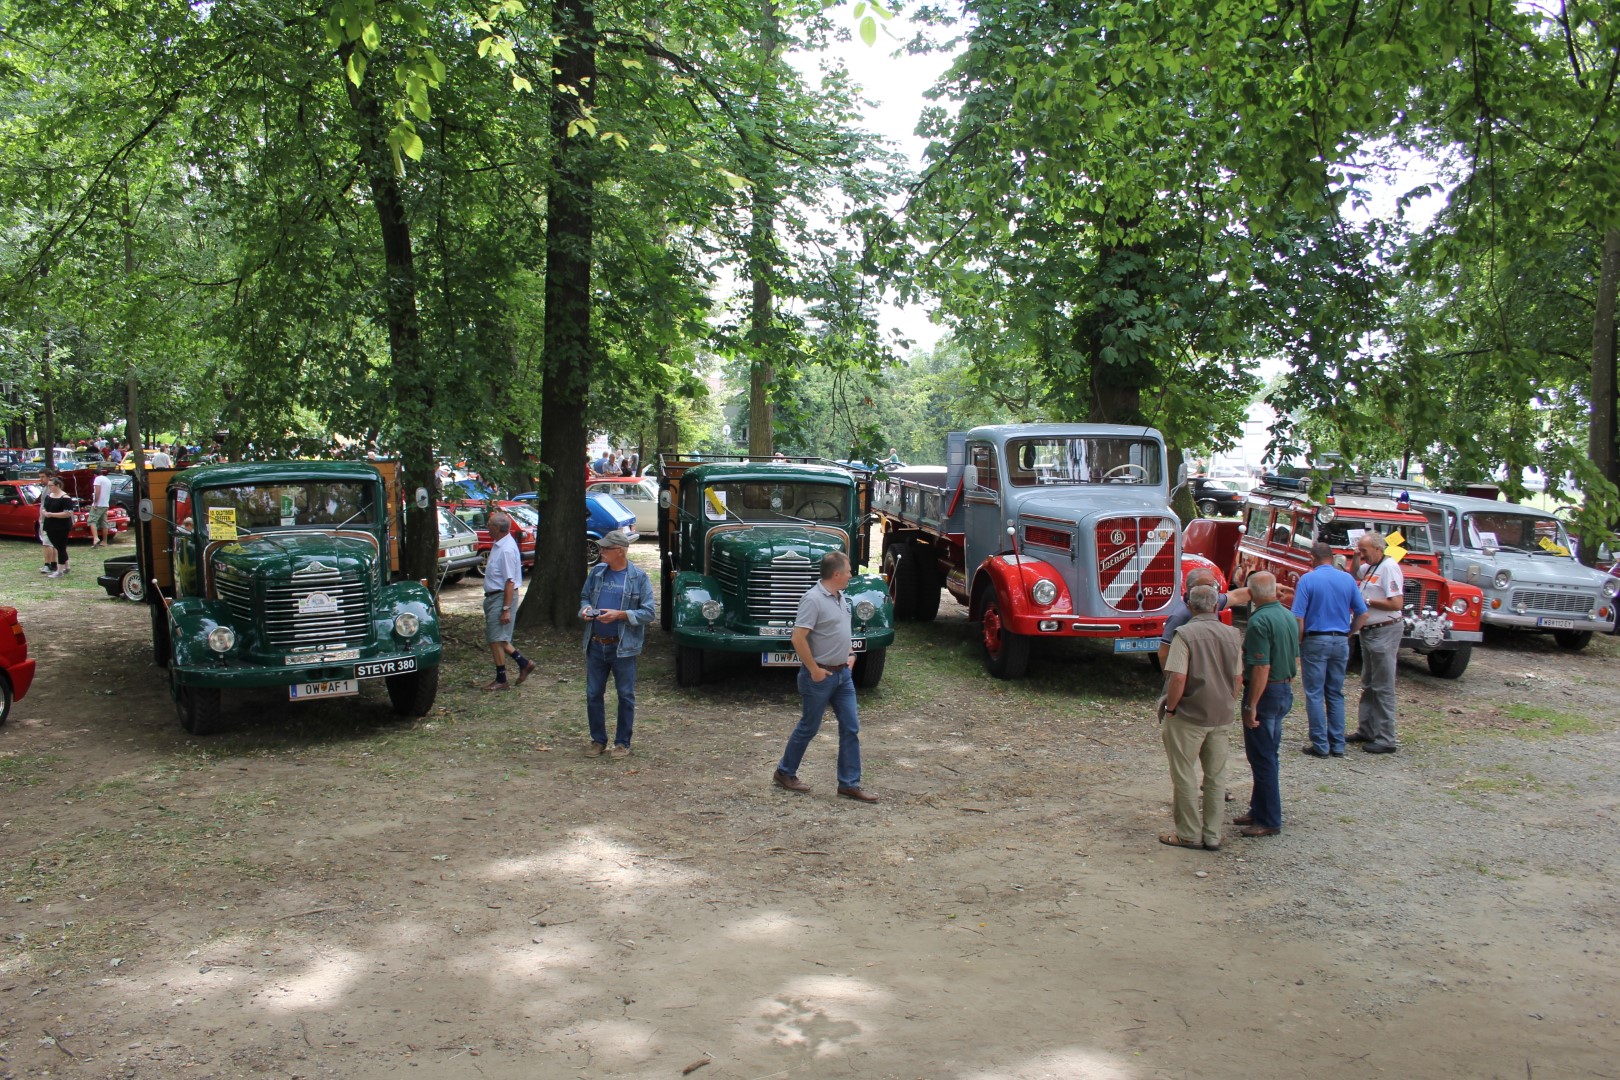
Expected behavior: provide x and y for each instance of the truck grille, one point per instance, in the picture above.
(774, 590)
(723, 567)
(285, 627)
(1136, 562)
(1413, 596)
(1567, 603)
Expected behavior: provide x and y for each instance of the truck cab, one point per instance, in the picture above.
(1521, 559)
(280, 574)
(1042, 530)
(741, 542)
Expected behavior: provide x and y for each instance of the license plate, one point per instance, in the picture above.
(330, 688)
(1139, 644)
(1556, 624)
(378, 668)
(458, 552)
(336, 657)
(779, 659)
(858, 645)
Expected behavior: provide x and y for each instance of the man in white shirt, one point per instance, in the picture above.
(1383, 586)
(503, 574)
(161, 460)
(100, 531)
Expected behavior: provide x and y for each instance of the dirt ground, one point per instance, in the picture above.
(326, 891)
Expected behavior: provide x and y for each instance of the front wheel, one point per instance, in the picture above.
(413, 693)
(1208, 508)
(5, 697)
(869, 668)
(160, 633)
(688, 665)
(1450, 664)
(1573, 640)
(1006, 654)
(131, 586)
(900, 570)
(198, 707)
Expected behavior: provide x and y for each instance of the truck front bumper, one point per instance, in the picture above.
(236, 674)
(723, 639)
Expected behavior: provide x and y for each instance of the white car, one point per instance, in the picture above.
(639, 494)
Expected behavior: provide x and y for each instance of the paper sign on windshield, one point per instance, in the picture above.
(1549, 544)
(222, 523)
(717, 504)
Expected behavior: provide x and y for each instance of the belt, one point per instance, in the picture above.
(834, 667)
(1376, 625)
(1327, 633)
(604, 640)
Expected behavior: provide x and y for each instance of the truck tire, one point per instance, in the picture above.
(869, 668)
(666, 594)
(1006, 654)
(1450, 664)
(131, 586)
(927, 590)
(413, 693)
(1573, 640)
(160, 634)
(900, 569)
(198, 707)
(688, 666)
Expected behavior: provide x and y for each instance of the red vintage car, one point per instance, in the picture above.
(475, 514)
(19, 512)
(16, 669)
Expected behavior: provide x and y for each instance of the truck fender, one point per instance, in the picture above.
(191, 620)
(872, 588)
(406, 597)
(1012, 583)
(689, 592)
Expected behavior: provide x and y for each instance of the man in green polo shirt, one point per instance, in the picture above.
(1270, 657)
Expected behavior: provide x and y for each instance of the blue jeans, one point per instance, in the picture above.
(1260, 746)
(838, 691)
(599, 661)
(1322, 660)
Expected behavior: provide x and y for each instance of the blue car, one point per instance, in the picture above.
(603, 514)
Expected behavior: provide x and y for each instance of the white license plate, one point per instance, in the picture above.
(457, 552)
(1139, 644)
(1556, 624)
(377, 668)
(330, 688)
(779, 659)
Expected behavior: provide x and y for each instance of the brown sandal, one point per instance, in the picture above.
(1172, 840)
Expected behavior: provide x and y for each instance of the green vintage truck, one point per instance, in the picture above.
(741, 540)
(282, 574)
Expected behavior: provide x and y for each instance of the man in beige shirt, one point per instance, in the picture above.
(1203, 682)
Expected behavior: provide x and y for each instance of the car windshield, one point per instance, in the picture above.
(288, 504)
(741, 500)
(1076, 460)
(523, 515)
(1343, 532)
(1515, 532)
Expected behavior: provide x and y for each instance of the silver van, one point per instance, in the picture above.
(1521, 558)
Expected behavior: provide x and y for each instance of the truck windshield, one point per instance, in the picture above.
(745, 500)
(1078, 460)
(1515, 532)
(1343, 532)
(288, 504)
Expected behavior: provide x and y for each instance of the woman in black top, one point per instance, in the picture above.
(56, 513)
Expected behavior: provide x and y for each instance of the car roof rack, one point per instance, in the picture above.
(1388, 487)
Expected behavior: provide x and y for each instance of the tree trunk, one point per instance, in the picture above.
(1603, 440)
(47, 400)
(762, 252)
(553, 596)
(411, 384)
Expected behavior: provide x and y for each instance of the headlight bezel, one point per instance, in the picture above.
(1044, 592)
(1459, 606)
(1502, 579)
(221, 639)
(407, 624)
(865, 610)
(712, 609)
(1611, 586)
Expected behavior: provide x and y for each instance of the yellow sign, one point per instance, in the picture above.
(1549, 544)
(222, 523)
(717, 503)
(1393, 545)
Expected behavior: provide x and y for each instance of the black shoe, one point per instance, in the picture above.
(1356, 736)
(1372, 748)
(1338, 753)
(1312, 751)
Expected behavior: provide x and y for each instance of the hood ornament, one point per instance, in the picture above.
(316, 567)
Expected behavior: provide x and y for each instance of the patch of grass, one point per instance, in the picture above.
(19, 770)
(1502, 785)
(1539, 722)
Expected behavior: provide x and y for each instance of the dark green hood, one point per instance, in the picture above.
(764, 544)
(281, 556)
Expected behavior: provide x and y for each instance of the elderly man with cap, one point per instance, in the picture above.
(503, 576)
(616, 604)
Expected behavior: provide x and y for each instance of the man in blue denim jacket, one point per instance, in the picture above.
(616, 604)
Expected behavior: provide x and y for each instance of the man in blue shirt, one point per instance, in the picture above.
(617, 606)
(1329, 607)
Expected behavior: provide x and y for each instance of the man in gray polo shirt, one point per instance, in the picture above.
(821, 637)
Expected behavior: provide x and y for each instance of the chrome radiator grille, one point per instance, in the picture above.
(1414, 597)
(723, 566)
(1568, 603)
(773, 591)
(287, 627)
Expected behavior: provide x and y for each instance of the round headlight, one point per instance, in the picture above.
(1043, 592)
(1325, 515)
(222, 639)
(406, 624)
(1459, 606)
(865, 610)
(713, 609)
(1502, 578)
(1610, 587)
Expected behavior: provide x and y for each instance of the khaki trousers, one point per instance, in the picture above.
(1188, 746)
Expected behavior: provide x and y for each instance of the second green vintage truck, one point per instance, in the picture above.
(280, 574)
(742, 540)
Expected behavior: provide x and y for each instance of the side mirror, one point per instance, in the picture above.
(1181, 474)
(145, 510)
(970, 476)
(1490, 549)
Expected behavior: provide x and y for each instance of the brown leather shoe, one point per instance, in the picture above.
(792, 783)
(525, 671)
(498, 685)
(1244, 820)
(1260, 830)
(595, 749)
(859, 794)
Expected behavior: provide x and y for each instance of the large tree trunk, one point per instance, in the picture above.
(411, 384)
(553, 596)
(47, 400)
(1603, 439)
(762, 252)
